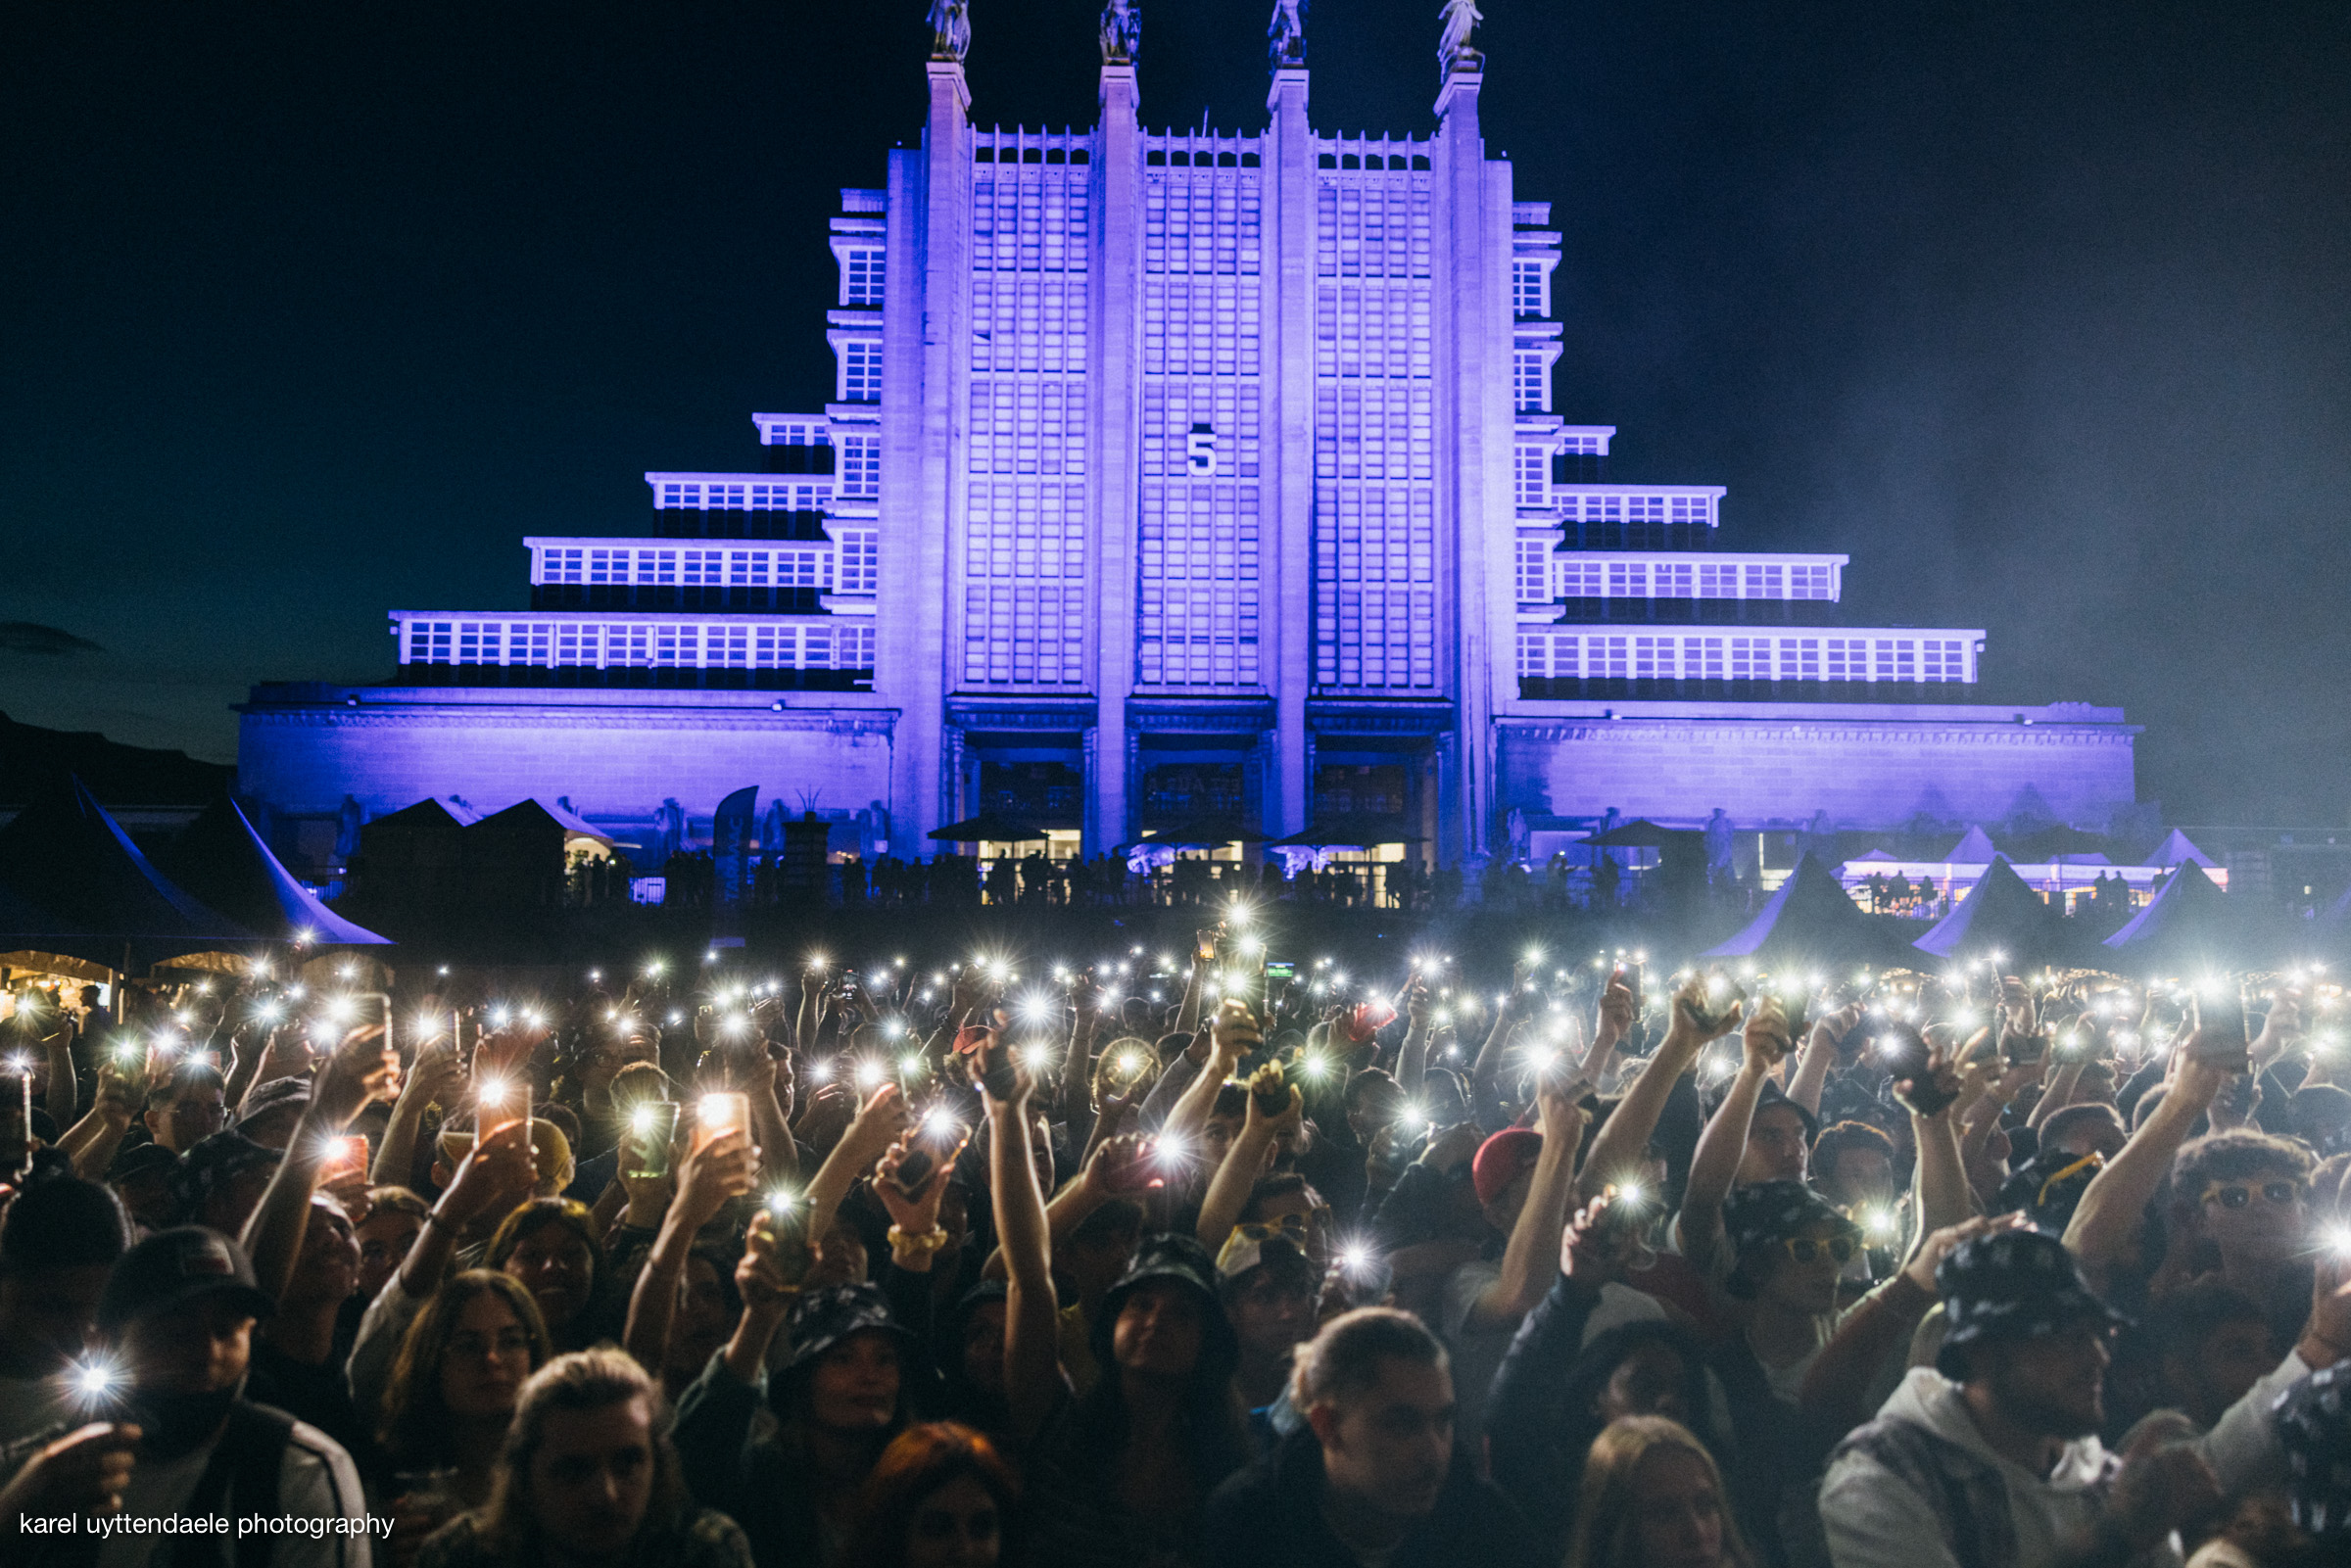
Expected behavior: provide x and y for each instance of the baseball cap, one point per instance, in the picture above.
(1501, 1157)
(174, 1268)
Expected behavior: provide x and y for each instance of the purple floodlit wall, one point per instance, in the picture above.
(1866, 767)
(617, 755)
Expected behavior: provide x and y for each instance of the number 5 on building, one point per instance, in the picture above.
(1200, 451)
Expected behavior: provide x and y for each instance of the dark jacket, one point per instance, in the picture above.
(1270, 1517)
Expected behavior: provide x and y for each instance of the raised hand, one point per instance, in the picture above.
(1938, 1246)
(359, 1072)
(718, 1171)
(497, 1172)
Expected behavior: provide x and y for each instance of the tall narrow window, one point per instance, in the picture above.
(860, 370)
(862, 276)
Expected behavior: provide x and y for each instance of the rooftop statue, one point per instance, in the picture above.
(1455, 51)
(1121, 32)
(1286, 34)
(951, 30)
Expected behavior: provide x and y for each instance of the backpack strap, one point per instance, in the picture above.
(242, 1476)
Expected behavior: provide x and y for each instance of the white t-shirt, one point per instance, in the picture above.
(315, 1482)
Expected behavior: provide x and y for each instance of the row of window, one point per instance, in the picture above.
(1592, 657)
(1196, 559)
(990, 153)
(808, 495)
(1198, 635)
(1636, 506)
(1530, 288)
(1372, 330)
(856, 476)
(1032, 321)
(1374, 430)
(861, 272)
(1200, 226)
(1023, 634)
(1544, 575)
(1372, 231)
(845, 645)
(1026, 425)
(1175, 442)
(860, 364)
(1375, 568)
(1028, 226)
(849, 565)
(1200, 326)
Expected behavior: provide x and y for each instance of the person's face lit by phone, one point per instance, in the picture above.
(855, 1385)
(192, 1112)
(2259, 1217)
(384, 1243)
(1775, 1146)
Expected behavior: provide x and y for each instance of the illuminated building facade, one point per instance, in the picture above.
(1181, 475)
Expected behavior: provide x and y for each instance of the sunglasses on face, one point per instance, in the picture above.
(2092, 1162)
(2239, 1194)
(1289, 1227)
(1805, 1249)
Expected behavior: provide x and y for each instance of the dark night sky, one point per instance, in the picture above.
(2041, 311)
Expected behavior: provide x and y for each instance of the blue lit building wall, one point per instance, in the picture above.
(1182, 474)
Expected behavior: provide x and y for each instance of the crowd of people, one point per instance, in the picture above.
(1531, 1263)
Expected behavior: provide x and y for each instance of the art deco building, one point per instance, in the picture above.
(1173, 475)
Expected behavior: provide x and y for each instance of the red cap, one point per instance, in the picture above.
(1501, 1157)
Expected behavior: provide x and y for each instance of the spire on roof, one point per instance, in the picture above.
(951, 30)
(1455, 51)
(1286, 34)
(1121, 32)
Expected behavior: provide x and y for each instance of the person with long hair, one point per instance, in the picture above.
(451, 1398)
(940, 1497)
(1121, 1474)
(588, 1477)
(1653, 1497)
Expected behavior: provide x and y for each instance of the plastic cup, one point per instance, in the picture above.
(652, 1123)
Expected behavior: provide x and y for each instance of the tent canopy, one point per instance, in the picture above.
(2189, 923)
(65, 854)
(1203, 832)
(1974, 848)
(1812, 920)
(1641, 834)
(222, 860)
(988, 827)
(1999, 914)
(1354, 830)
(2178, 850)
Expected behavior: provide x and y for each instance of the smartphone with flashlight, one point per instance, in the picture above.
(652, 1125)
(346, 1157)
(1904, 1055)
(787, 1219)
(2220, 1037)
(720, 1112)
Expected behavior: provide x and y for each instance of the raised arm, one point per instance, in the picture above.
(718, 1171)
(436, 1078)
(1529, 1257)
(1229, 1189)
(1234, 1034)
(361, 1070)
(2108, 1215)
(1722, 1147)
(1618, 1148)
(1819, 1055)
(877, 1125)
(1412, 1059)
(1488, 1064)
(1611, 1024)
(1033, 1381)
